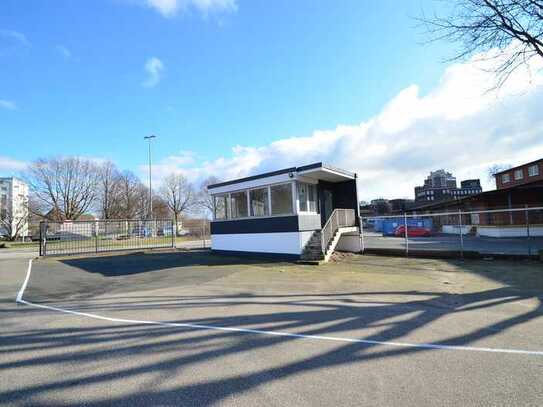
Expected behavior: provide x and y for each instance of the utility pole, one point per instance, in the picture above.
(149, 138)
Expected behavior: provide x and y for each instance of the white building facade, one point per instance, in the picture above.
(13, 208)
(279, 212)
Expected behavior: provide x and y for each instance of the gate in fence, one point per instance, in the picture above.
(96, 236)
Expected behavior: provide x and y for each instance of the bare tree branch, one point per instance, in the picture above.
(512, 27)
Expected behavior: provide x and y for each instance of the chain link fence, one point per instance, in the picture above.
(96, 236)
(514, 232)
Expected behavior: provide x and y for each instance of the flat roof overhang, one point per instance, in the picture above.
(325, 173)
(316, 171)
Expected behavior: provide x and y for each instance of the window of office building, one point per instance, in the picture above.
(281, 199)
(307, 196)
(221, 207)
(238, 205)
(259, 202)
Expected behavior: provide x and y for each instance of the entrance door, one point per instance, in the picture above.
(328, 204)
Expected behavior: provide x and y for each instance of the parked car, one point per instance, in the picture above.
(412, 231)
(167, 231)
(141, 231)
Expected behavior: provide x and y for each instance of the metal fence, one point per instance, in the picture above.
(492, 232)
(73, 237)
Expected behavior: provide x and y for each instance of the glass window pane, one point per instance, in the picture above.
(281, 199)
(220, 207)
(238, 204)
(312, 198)
(259, 202)
(302, 196)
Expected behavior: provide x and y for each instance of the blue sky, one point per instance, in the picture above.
(92, 78)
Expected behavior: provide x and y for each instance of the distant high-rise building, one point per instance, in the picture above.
(441, 185)
(13, 207)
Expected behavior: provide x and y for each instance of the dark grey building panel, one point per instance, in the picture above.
(259, 225)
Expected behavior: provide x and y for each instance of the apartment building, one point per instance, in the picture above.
(13, 207)
(441, 185)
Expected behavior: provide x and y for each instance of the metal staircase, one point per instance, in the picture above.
(322, 243)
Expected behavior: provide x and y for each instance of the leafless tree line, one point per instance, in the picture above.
(66, 188)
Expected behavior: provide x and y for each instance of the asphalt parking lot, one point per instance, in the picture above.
(191, 328)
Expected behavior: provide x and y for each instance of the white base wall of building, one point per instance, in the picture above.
(455, 229)
(509, 231)
(274, 243)
(349, 242)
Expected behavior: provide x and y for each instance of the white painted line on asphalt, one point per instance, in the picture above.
(271, 333)
(23, 287)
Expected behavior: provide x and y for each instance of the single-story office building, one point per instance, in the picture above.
(283, 212)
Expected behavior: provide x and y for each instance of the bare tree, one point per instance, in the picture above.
(132, 196)
(205, 200)
(178, 195)
(109, 186)
(513, 27)
(161, 209)
(496, 168)
(14, 222)
(65, 187)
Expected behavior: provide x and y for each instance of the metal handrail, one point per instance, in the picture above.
(338, 219)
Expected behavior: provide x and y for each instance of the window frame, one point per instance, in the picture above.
(533, 167)
(226, 198)
(247, 193)
(241, 191)
(516, 172)
(308, 186)
(505, 178)
(293, 198)
(267, 188)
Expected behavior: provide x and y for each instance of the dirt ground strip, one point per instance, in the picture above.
(476, 313)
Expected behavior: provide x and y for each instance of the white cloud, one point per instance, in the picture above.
(154, 68)
(15, 36)
(8, 104)
(10, 165)
(169, 8)
(65, 52)
(459, 125)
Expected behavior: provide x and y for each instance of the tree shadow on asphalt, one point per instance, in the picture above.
(332, 314)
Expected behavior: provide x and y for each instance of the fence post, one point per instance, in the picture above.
(41, 239)
(45, 239)
(96, 236)
(361, 221)
(203, 234)
(460, 231)
(527, 218)
(405, 234)
(174, 233)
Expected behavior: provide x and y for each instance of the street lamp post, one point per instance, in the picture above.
(149, 138)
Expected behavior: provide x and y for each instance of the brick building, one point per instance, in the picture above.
(520, 175)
